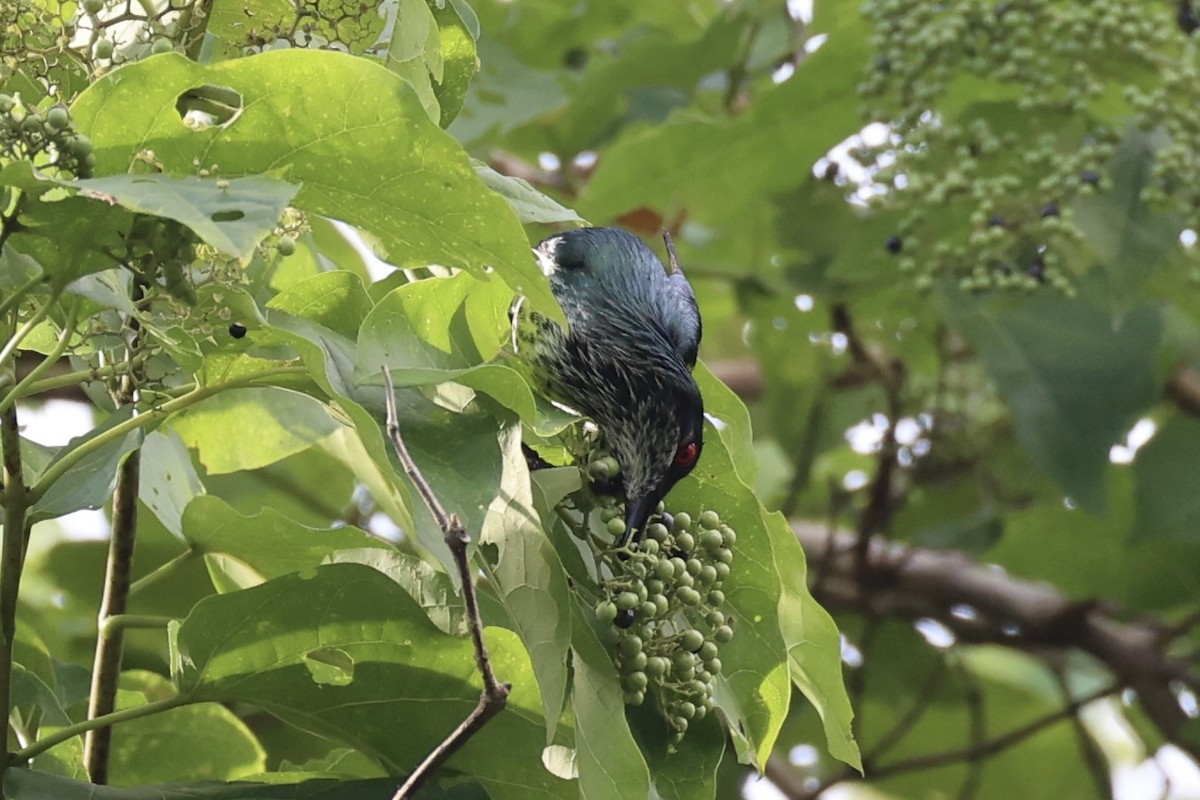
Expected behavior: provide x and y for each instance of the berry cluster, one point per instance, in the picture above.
(662, 598)
(1009, 111)
(48, 139)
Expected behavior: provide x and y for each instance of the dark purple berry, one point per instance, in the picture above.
(1186, 18)
(1037, 269)
(624, 618)
(1090, 177)
(1050, 210)
(995, 221)
(894, 244)
(237, 330)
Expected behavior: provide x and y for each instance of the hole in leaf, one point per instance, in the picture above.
(232, 215)
(330, 666)
(204, 106)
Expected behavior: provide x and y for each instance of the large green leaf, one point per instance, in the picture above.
(530, 580)
(1074, 379)
(1168, 489)
(205, 741)
(398, 685)
(611, 767)
(352, 133)
(251, 427)
(27, 784)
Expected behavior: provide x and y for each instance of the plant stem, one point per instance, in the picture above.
(162, 571)
(14, 342)
(110, 639)
(12, 558)
(36, 387)
(71, 731)
(60, 347)
(152, 415)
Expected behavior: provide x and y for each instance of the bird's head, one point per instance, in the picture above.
(657, 443)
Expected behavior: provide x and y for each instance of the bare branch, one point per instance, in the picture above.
(495, 694)
(912, 583)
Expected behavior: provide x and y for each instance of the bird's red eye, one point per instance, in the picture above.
(685, 456)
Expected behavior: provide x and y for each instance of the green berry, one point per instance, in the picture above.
(678, 566)
(58, 117)
(103, 48)
(6, 103)
(708, 574)
(691, 640)
(710, 519)
(627, 600)
(631, 645)
(714, 618)
(707, 651)
(93, 7)
(682, 521)
(657, 532)
(689, 596)
(635, 698)
(648, 609)
(649, 547)
(716, 597)
(636, 681)
(287, 245)
(723, 633)
(606, 612)
(694, 567)
(729, 534)
(616, 527)
(712, 540)
(32, 124)
(661, 605)
(685, 542)
(687, 709)
(636, 663)
(657, 666)
(161, 46)
(713, 665)
(79, 146)
(655, 586)
(683, 660)
(665, 569)
(722, 571)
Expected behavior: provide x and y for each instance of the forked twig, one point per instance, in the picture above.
(495, 694)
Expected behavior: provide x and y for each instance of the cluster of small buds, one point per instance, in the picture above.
(985, 192)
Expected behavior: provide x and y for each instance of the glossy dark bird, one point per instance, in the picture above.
(625, 359)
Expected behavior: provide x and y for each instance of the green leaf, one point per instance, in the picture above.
(89, 482)
(1075, 381)
(357, 140)
(530, 205)
(1168, 490)
(411, 683)
(172, 482)
(1130, 237)
(266, 545)
(231, 214)
(251, 427)
(27, 784)
(529, 578)
(610, 764)
(205, 741)
(755, 692)
(432, 48)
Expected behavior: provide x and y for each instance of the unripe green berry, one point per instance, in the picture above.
(657, 666)
(687, 709)
(685, 541)
(691, 640)
(708, 574)
(631, 644)
(636, 681)
(616, 527)
(716, 597)
(657, 532)
(711, 540)
(58, 117)
(636, 662)
(683, 660)
(723, 633)
(713, 665)
(626, 600)
(710, 519)
(665, 569)
(694, 567)
(635, 698)
(287, 245)
(103, 48)
(707, 651)
(606, 612)
(722, 571)
(605, 468)
(32, 124)
(93, 7)
(682, 521)
(648, 609)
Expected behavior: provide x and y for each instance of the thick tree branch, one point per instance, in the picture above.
(495, 694)
(914, 583)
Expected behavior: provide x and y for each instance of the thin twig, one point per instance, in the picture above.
(495, 694)
(975, 707)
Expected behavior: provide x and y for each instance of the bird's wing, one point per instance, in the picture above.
(682, 319)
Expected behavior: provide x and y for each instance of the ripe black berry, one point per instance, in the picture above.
(1037, 269)
(237, 330)
(894, 244)
(624, 618)
(1090, 177)
(995, 221)
(1049, 210)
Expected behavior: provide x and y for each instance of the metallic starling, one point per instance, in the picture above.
(626, 358)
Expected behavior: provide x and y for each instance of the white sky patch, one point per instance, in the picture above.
(55, 422)
(937, 634)
(784, 71)
(854, 480)
(804, 755)
(804, 302)
(1139, 435)
(851, 655)
(1187, 237)
(548, 161)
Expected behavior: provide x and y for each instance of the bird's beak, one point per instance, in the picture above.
(637, 513)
